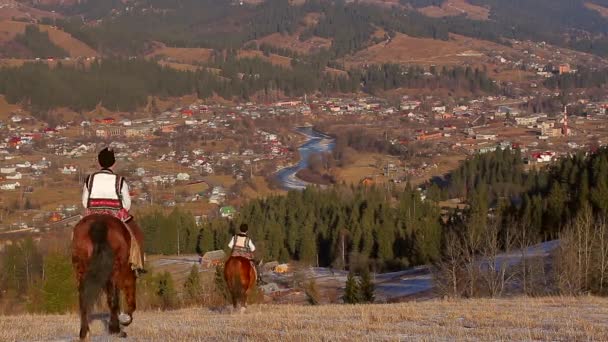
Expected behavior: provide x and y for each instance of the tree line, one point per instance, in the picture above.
(32, 43)
(583, 78)
(350, 26)
(324, 227)
(117, 84)
(391, 76)
(125, 84)
(510, 210)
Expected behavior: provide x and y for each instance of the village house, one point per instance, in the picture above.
(213, 258)
(184, 177)
(485, 137)
(409, 105)
(227, 212)
(168, 128)
(107, 121)
(8, 170)
(288, 103)
(108, 132)
(69, 169)
(438, 109)
(139, 132)
(526, 120)
(543, 157)
(10, 186)
(16, 176)
(429, 136)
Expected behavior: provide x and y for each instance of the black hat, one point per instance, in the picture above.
(244, 228)
(106, 158)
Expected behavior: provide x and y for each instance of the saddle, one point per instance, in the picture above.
(237, 252)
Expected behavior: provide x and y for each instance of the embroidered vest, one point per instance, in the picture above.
(241, 250)
(104, 191)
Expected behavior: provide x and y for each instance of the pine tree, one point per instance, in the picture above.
(385, 236)
(367, 287)
(192, 286)
(352, 291)
(59, 285)
(165, 291)
(308, 245)
(220, 283)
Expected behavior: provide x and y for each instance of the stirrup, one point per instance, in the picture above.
(139, 271)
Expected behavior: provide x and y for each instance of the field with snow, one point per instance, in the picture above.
(529, 319)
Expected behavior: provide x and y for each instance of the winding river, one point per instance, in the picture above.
(317, 143)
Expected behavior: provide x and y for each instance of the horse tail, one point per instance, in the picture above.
(233, 280)
(100, 266)
(237, 288)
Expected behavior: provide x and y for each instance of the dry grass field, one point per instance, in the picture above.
(272, 58)
(261, 190)
(6, 109)
(179, 66)
(519, 319)
(456, 7)
(603, 11)
(405, 49)
(10, 9)
(9, 29)
(363, 166)
(292, 42)
(183, 55)
(457, 50)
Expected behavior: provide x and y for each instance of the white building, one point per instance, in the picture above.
(10, 186)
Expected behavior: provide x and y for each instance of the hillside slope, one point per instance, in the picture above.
(564, 319)
(9, 29)
(10, 9)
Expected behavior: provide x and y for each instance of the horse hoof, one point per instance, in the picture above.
(122, 334)
(125, 319)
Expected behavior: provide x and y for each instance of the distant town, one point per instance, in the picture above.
(210, 157)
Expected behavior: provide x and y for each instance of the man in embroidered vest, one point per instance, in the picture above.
(107, 193)
(242, 246)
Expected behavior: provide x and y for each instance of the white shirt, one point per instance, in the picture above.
(240, 242)
(104, 186)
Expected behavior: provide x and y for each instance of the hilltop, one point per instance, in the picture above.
(564, 319)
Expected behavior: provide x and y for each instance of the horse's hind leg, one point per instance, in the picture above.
(244, 300)
(129, 289)
(235, 301)
(84, 315)
(112, 295)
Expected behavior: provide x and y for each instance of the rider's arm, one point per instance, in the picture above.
(126, 197)
(251, 246)
(85, 195)
(231, 243)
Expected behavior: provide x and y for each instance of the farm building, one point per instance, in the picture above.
(213, 258)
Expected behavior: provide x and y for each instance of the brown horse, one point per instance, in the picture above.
(100, 255)
(240, 277)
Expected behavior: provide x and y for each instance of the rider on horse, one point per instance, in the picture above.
(107, 193)
(242, 246)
